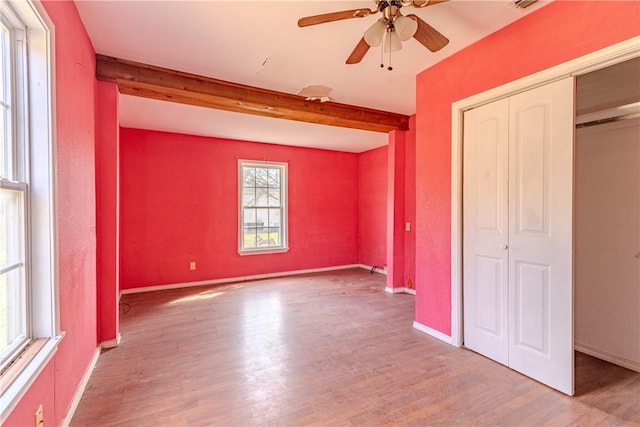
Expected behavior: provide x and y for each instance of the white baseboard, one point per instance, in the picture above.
(238, 279)
(80, 390)
(612, 358)
(400, 291)
(111, 343)
(436, 334)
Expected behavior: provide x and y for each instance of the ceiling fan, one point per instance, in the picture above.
(390, 30)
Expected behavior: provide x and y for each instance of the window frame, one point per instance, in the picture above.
(284, 217)
(33, 123)
(16, 172)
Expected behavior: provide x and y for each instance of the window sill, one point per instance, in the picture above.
(244, 252)
(15, 382)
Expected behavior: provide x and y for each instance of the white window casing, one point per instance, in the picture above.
(262, 207)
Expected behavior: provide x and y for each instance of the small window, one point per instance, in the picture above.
(263, 212)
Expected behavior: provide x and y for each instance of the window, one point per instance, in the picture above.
(263, 213)
(28, 312)
(13, 197)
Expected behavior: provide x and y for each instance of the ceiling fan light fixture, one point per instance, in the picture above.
(374, 35)
(405, 27)
(392, 42)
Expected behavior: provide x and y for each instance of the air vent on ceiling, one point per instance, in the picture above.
(523, 4)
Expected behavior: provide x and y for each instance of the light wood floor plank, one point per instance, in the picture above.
(328, 349)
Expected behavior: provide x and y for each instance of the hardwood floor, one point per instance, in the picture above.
(325, 349)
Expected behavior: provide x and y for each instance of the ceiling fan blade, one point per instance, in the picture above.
(359, 52)
(424, 3)
(334, 16)
(431, 38)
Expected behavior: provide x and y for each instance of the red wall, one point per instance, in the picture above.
(410, 205)
(372, 201)
(556, 33)
(107, 210)
(395, 209)
(179, 203)
(75, 83)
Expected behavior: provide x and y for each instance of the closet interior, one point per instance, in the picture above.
(607, 214)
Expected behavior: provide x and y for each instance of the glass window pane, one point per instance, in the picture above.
(11, 227)
(12, 310)
(263, 239)
(262, 197)
(249, 176)
(4, 138)
(249, 217)
(249, 237)
(5, 82)
(274, 236)
(4, 63)
(274, 178)
(248, 196)
(262, 218)
(274, 197)
(274, 218)
(262, 180)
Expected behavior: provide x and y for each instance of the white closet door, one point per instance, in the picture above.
(541, 132)
(485, 222)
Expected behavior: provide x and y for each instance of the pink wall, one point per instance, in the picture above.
(107, 210)
(556, 33)
(40, 393)
(179, 203)
(410, 204)
(395, 209)
(372, 201)
(75, 84)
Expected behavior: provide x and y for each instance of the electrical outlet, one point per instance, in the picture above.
(39, 418)
(407, 226)
(192, 265)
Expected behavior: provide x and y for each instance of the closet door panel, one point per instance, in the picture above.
(541, 128)
(485, 223)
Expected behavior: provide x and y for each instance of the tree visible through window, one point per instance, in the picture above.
(262, 211)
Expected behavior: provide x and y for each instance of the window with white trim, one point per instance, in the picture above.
(28, 309)
(13, 196)
(263, 207)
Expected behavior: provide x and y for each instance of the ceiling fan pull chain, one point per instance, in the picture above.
(382, 54)
(389, 67)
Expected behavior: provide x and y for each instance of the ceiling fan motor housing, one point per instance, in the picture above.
(392, 28)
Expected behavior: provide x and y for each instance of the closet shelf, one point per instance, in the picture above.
(623, 112)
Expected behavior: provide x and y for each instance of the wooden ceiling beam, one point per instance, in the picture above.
(153, 82)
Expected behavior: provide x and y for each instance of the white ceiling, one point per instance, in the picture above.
(258, 43)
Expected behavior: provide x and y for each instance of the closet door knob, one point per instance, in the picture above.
(505, 247)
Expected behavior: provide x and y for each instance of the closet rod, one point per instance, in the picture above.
(608, 120)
